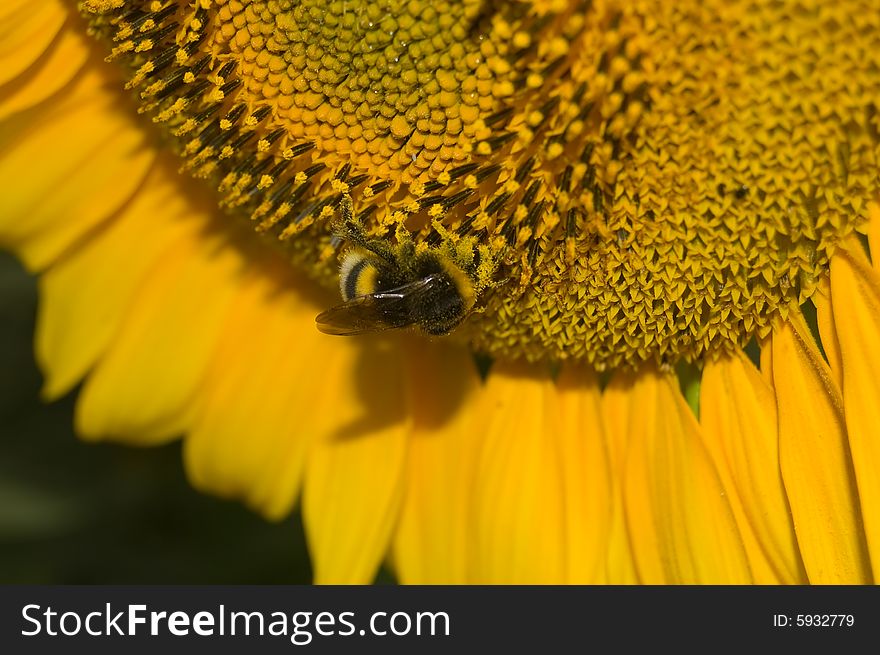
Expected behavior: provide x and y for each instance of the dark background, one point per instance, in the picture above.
(74, 513)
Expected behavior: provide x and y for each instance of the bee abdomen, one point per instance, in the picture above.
(358, 276)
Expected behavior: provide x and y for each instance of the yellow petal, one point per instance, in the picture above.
(621, 565)
(431, 539)
(57, 67)
(738, 417)
(519, 507)
(26, 30)
(586, 474)
(827, 332)
(354, 476)
(815, 461)
(85, 295)
(855, 294)
(681, 525)
(766, 362)
(9, 8)
(250, 440)
(142, 389)
(874, 232)
(67, 168)
(616, 400)
(541, 461)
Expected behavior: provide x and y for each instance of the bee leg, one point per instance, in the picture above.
(350, 229)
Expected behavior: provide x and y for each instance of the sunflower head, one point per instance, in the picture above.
(603, 182)
(623, 181)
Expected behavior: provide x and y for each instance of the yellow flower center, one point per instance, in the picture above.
(657, 179)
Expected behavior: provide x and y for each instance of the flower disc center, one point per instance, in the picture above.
(657, 180)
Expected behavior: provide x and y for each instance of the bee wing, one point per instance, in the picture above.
(362, 315)
(385, 310)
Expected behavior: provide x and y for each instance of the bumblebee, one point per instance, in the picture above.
(386, 286)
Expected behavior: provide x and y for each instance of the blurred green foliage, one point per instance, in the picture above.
(77, 513)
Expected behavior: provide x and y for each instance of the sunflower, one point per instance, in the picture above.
(665, 214)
